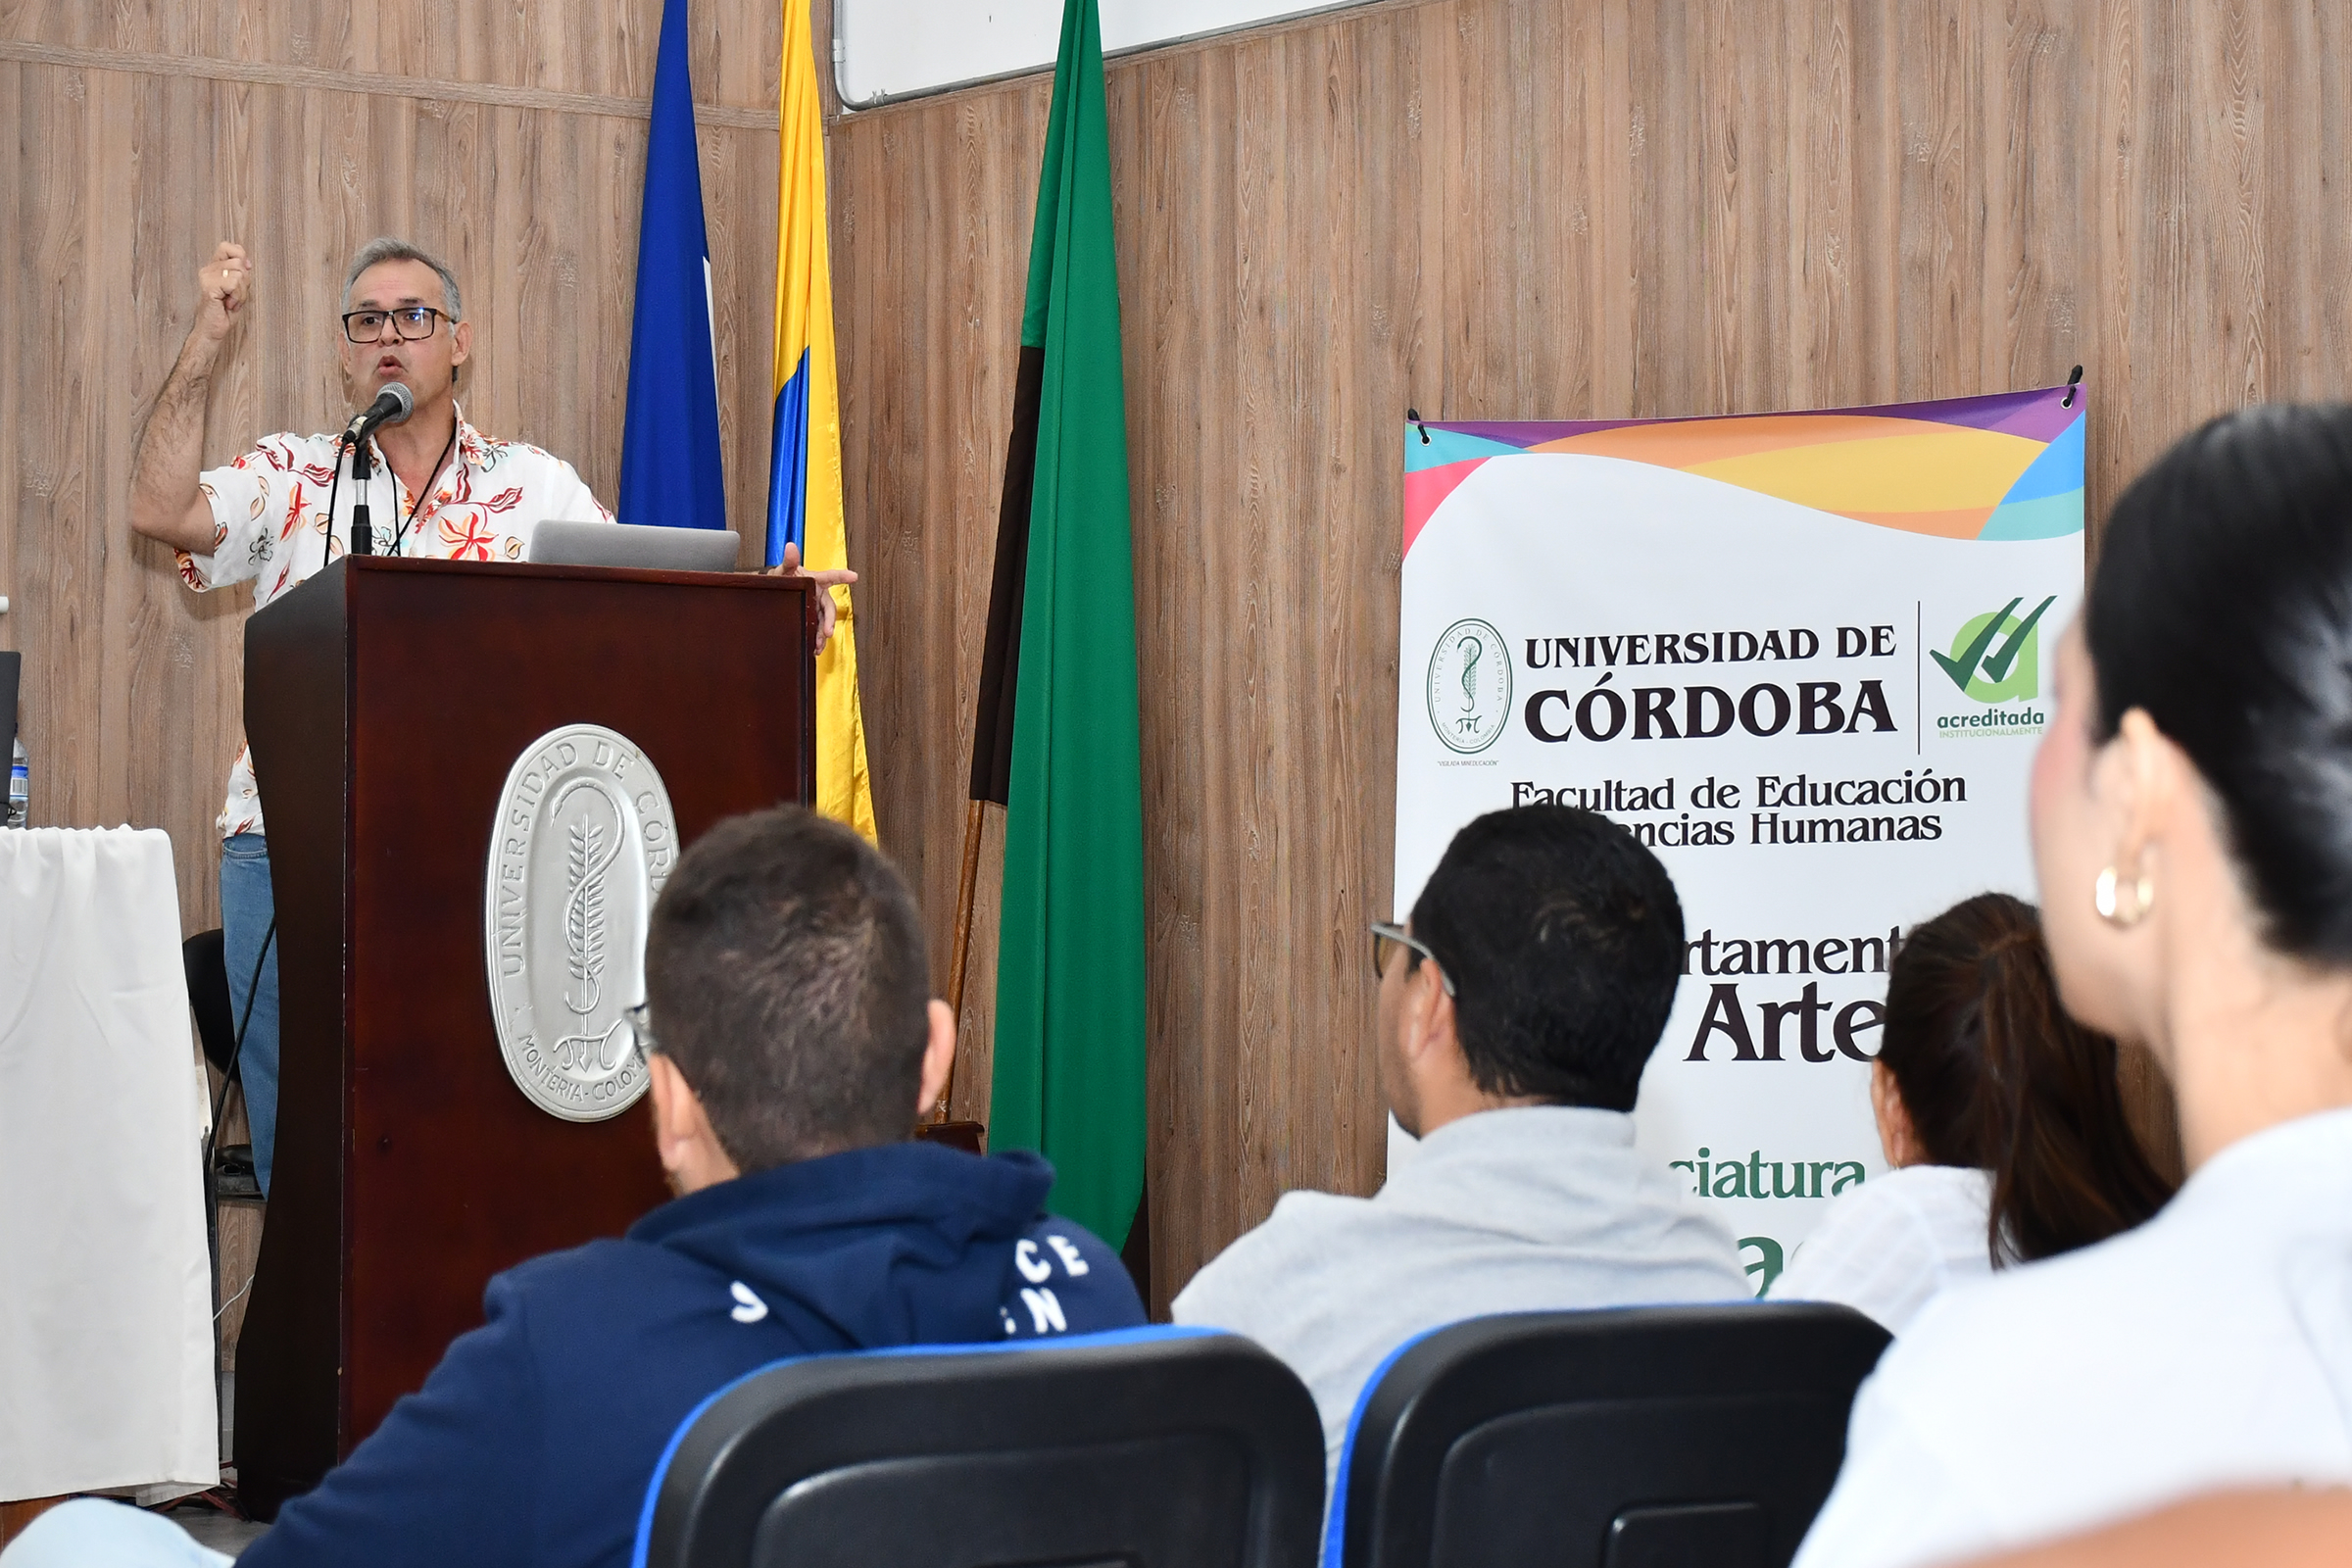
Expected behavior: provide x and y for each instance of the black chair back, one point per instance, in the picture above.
(1633, 1437)
(1144, 1449)
(203, 958)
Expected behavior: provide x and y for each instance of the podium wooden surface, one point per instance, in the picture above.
(385, 701)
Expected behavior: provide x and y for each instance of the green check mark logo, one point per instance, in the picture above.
(1996, 669)
(1965, 664)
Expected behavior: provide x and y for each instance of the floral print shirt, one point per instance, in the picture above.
(270, 524)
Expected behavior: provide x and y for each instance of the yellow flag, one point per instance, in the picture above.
(803, 494)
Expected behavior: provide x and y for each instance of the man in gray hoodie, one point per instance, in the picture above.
(1516, 1013)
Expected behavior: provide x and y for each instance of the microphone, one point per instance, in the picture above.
(393, 405)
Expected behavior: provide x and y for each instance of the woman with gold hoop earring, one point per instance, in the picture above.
(2192, 837)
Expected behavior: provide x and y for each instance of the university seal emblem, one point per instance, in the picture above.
(1469, 688)
(584, 839)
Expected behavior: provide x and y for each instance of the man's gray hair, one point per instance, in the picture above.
(385, 247)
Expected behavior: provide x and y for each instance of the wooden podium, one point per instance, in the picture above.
(386, 700)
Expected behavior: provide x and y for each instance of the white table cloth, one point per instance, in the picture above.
(106, 1341)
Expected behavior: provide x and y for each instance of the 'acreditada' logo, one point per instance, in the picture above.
(1996, 657)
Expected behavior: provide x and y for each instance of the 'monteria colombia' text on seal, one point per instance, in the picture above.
(583, 840)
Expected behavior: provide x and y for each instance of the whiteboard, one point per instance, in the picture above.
(884, 50)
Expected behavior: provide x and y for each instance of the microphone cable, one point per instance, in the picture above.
(417, 500)
(326, 548)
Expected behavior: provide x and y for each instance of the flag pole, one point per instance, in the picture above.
(963, 942)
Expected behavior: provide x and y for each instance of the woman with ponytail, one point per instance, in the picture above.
(1999, 1115)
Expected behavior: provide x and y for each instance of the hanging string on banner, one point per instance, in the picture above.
(1413, 416)
(2072, 381)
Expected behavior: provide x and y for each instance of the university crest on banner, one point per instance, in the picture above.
(1804, 657)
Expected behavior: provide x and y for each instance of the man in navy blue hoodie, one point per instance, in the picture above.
(794, 1046)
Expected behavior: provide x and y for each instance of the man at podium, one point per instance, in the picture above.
(431, 483)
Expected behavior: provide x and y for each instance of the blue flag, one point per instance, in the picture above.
(670, 464)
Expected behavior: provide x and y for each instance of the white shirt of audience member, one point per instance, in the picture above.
(2207, 1349)
(2224, 1326)
(1528, 1209)
(1890, 1246)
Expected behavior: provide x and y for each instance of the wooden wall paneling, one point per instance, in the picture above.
(1667, 216)
(1741, 199)
(62, 623)
(739, 201)
(930, 258)
(1171, 333)
(1574, 207)
(13, 275)
(605, 48)
(135, 154)
(1954, 184)
(1497, 208)
(2316, 289)
(191, 135)
(2041, 278)
(1247, 561)
(1347, 700)
(2223, 135)
(19, 103)
(132, 705)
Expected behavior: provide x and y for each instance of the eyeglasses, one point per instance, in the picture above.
(640, 1024)
(1383, 933)
(412, 321)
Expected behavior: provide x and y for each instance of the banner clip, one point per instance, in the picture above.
(1413, 416)
(2072, 381)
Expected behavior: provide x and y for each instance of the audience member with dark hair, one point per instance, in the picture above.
(1516, 1013)
(1999, 1115)
(793, 1050)
(2193, 836)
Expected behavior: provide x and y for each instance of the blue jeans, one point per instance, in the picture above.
(247, 910)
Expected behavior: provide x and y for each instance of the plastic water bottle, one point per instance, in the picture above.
(20, 783)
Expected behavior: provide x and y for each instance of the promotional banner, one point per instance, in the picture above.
(1806, 658)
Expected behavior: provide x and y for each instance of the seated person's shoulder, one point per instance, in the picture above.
(1900, 1214)
(1997, 1345)
(1265, 1264)
(1061, 1278)
(611, 1289)
(606, 1260)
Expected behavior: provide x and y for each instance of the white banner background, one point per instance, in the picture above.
(1544, 546)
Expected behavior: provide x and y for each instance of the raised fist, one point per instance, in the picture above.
(228, 282)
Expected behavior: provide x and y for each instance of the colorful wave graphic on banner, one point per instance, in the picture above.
(2004, 466)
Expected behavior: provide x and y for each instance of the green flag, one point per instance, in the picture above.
(1062, 754)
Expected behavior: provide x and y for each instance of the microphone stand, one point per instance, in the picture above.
(391, 406)
(363, 526)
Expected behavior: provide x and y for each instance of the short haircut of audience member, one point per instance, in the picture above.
(1564, 940)
(1995, 1076)
(2238, 642)
(786, 976)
